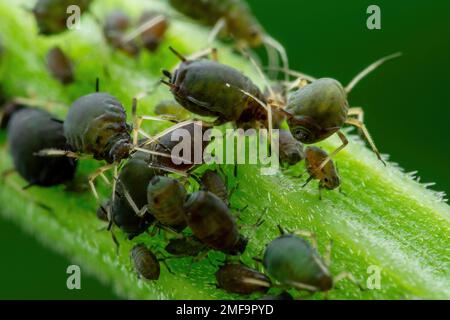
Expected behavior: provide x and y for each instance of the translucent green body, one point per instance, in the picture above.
(293, 262)
(317, 110)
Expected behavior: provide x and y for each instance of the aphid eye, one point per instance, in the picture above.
(326, 180)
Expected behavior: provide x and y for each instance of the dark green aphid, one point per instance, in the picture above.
(320, 109)
(51, 15)
(166, 198)
(153, 36)
(212, 223)
(131, 196)
(294, 263)
(211, 181)
(29, 131)
(237, 278)
(60, 66)
(328, 176)
(115, 27)
(185, 247)
(209, 88)
(145, 262)
(96, 125)
(291, 150)
(172, 109)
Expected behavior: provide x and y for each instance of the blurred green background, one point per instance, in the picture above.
(406, 103)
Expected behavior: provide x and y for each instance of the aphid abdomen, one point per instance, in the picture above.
(96, 124)
(30, 131)
(237, 278)
(212, 223)
(60, 66)
(291, 150)
(165, 198)
(293, 262)
(318, 110)
(134, 178)
(185, 247)
(210, 88)
(145, 262)
(212, 182)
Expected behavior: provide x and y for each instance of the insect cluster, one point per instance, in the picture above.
(149, 189)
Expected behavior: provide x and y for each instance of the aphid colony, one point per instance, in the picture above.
(149, 189)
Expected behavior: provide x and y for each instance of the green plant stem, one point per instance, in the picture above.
(382, 218)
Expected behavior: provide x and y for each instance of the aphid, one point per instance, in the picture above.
(209, 88)
(320, 109)
(231, 18)
(165, 198)
(145, 262)
(29, 131)
(51, 15)
(237, 278)
(328, 175)
(291, 150)
(212, 223)
(115, 27)
(185, 247)
(152, 37)
(131, 196)
(96, 124)
(172, 110)
(60, 66)
(295, 263)
(211, 181)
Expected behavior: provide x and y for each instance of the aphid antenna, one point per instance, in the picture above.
(220, 24)
(139, 212)
(293, 73)
(143, 27)
(179, 55)
(284, 58)
(281, 229)
(349, 276)
(167, 169)
(370, 69)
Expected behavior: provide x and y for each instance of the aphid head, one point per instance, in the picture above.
(120, 150)
(255, 36)
(306, 130)
(331, 180)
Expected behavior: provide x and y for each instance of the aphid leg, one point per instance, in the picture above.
(366, 134)
(320, 191)
(56, 153)
(218, 27)
(284, 58)
(307, 234)
(139, 212)
(143, 27)
(347, 275)
(94, 176)
(332, 154)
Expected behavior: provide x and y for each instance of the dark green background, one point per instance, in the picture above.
(407, 105)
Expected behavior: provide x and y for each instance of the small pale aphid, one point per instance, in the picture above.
(328, 175)
(60, 66)
(145, 262)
